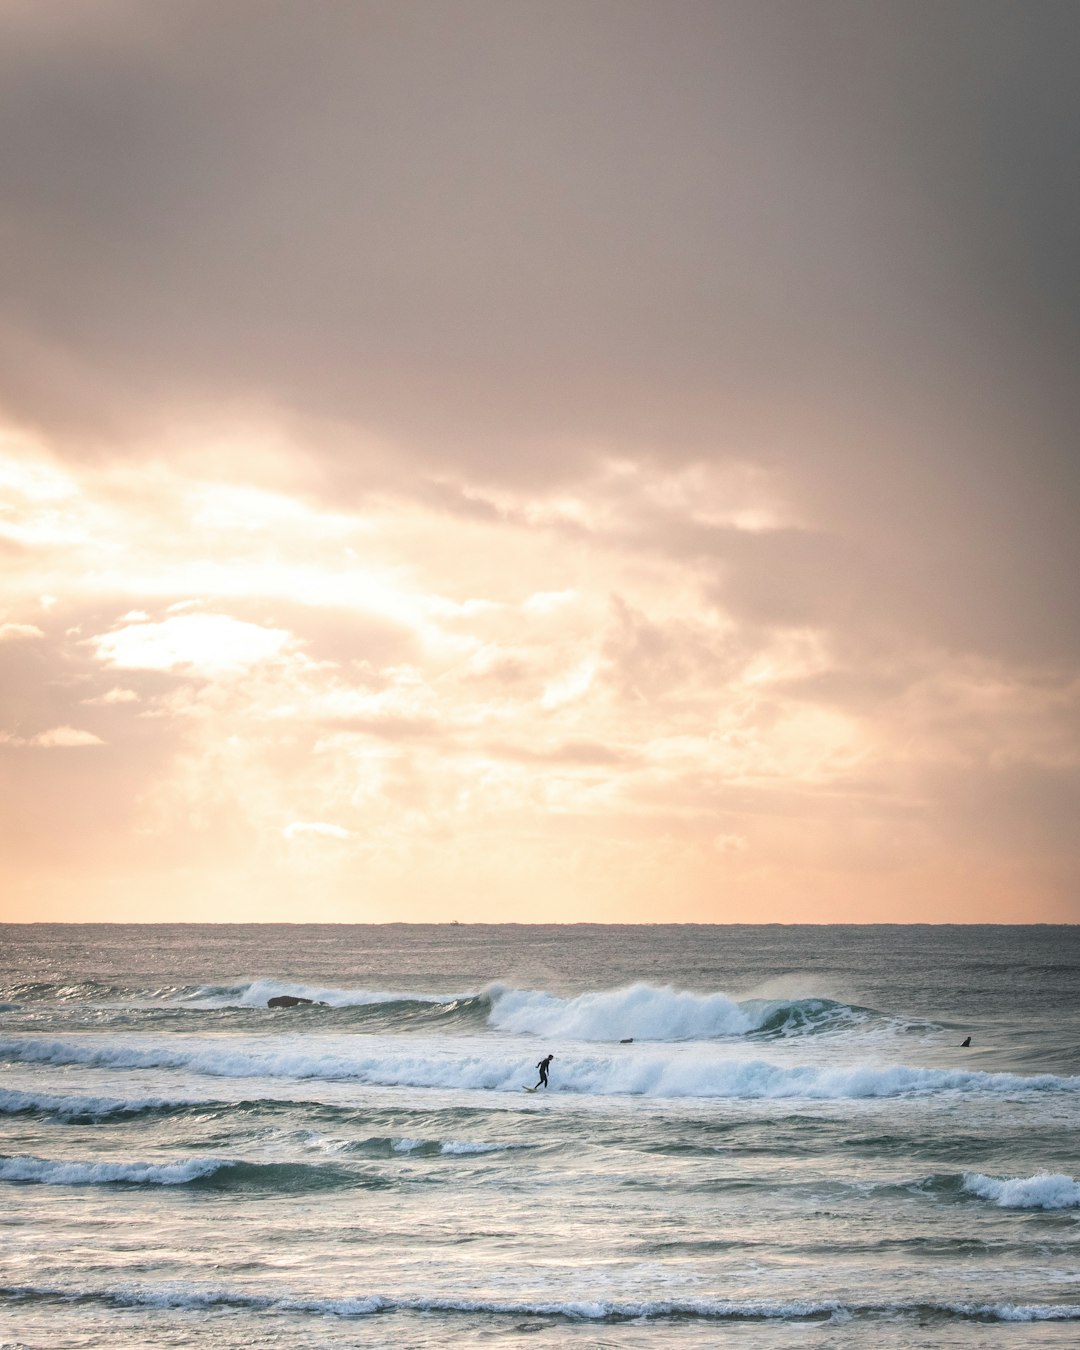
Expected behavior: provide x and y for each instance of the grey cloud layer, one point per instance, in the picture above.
(834, 238)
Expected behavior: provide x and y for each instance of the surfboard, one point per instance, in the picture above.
(528, 1089)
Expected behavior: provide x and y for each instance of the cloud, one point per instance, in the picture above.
(54, 738)
(65, 736)
(551, 441)
(112, 697)
(571, 754)
(203, 644)
(299, 828)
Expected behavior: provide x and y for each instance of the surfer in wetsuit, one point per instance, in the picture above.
(543, 1067)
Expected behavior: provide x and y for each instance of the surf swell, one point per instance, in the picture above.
(208, 1173)
(84, 1110)
(686, 1072)
(652, 1013)
(639, 1011)
(394, 1009)
(568, 1310)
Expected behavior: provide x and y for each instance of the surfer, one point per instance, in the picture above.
(964, 1044)
(543, 1067)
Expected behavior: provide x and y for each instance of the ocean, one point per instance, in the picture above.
(752, 1137)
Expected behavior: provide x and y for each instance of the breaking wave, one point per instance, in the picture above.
(52, 1173)
(81, 1110)
(210, 1173)
(650, 1073)
(657, 1013)
(571, 1310)
(639, 1011)
(1044, 1190)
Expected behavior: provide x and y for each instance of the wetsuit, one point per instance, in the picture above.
(543, 1067)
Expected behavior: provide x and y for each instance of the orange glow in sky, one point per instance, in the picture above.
(483, 493)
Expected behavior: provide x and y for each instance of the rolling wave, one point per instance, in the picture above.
(447, 1147)
(258, 993)
(209, 1173)
(637, 1012)
(1044, 1190)
(633, 1073)
(83, 1110)
(570, 1310)
(656, 1013)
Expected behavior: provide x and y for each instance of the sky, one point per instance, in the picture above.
(496, 460)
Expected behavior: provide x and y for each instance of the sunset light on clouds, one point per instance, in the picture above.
(495, 461)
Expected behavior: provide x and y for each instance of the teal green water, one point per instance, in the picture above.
(762, 1136)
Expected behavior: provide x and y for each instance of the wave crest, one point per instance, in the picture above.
(1044, 1190)
(687, 1072)
(644, 1012)
(211, 1173)
(570, 1310)
(258, 993)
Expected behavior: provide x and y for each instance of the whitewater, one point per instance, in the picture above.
(768, 1136)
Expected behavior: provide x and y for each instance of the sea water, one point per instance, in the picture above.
(756, 1137)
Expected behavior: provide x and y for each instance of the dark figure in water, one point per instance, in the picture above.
(543, 1067)
(964, 1044)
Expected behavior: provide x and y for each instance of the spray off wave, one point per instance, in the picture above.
(640, 1011)
(660, 1013)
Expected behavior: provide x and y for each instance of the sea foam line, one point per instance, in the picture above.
(579, 1310)
(685, 1073)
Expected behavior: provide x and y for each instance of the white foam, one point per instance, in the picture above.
(641, 1011)
(1014, 1312)
(1044, 1190)
(479, 1065)
(454, 1146)
(645, 1012)
(53, 1173)
(579, 1310)
(13, 1102)
(466, 1146)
